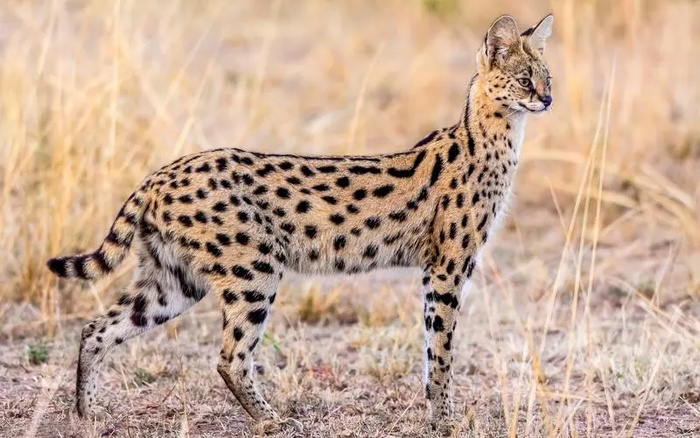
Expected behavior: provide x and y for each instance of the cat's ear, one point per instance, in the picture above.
(537, 36)
(501, 38)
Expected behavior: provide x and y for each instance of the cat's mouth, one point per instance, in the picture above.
(536, 108)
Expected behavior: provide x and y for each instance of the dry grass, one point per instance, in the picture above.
(585, 316)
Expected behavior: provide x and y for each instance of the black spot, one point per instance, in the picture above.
(373, 222)
(330, 199)
(288, 227)
(310, 231)
(321, 187)
(140, 303)
(229, 296)
(437, 169)
(392, 238)
(253, 296)
(445, 202)
(220, 207)
(460, 200)
(453, 230)
(217, 269)
(313, 255)
(465, 241)
(185, 220)
(427, 139)
(438, 324)
(160, 319)
(221, 164)
(263, 267)
(264, 248)
(337, 218)
(260, 190)
(241, 272)
(185, 199)
(267, 169)
(283, 193)
(307, 172)
(370, 251)
(326, 169)
(247, 179)
(475, 198)
(286, 165)
(223, 239)
(342, 182)
(362, 170)
(233, 199)
(243, 217)
(482, 223)
(398, 216)
(139, 319)
(204, 168)
(293, 180)
(238, 333)
(453, 153)
(359, 194)
(423, 195)
(339, 265)
(352, 209)
(257, 316)
(200, 216)
(450, 267)
(468, 267)
(339, 242)
(213, 249)
(242, 238)
(407, 173)
(381, 192)
(253, 344)
(470, 141)
(279, 212)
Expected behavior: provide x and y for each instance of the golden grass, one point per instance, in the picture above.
(584, 319)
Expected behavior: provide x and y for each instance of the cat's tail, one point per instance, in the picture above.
(114, 247)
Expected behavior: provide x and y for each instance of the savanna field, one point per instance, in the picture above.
(584, 316)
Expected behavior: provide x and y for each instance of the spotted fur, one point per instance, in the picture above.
(230, 222)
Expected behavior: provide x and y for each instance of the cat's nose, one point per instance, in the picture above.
(546, 100)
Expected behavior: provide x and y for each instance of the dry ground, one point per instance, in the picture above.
(584, 319)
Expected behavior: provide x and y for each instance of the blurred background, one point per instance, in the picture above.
(584, 319)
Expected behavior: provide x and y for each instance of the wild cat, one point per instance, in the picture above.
(231, 222)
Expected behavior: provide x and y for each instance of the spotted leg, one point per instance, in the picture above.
(442, 288)
(158, 294)
(246, 297)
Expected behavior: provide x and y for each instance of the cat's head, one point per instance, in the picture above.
(511, 65)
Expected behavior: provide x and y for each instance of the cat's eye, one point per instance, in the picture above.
(525, 82)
